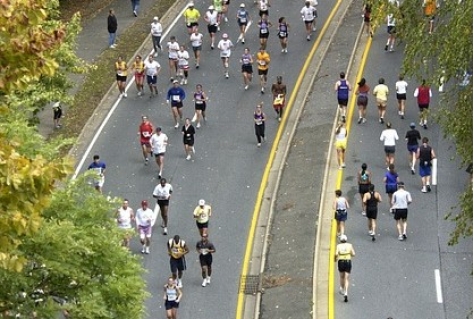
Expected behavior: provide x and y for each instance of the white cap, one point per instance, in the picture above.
(202, 202)
(242, 5)
(343, 237)
(211, 8)
(225, 35)
(155, 19)
(57, 104)
(191, 4)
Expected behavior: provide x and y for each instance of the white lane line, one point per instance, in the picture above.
(112, 110)
(434, 171)
(439, 294)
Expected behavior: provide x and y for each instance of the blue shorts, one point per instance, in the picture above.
(151, 79)
(340, 215)
(390, 189)
(425, 171)
(412, 148)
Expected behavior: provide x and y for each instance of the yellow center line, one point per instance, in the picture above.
(332, 249)
(266, 173)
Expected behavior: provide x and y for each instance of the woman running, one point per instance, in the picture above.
(243, 19)
(172, 296)
(173, 48)
(283, 28)
(391, 181)
(121, 75)
(364, 179)
(188, 138)
(264, 30)
(183, 65)
(341, 143)
(362, 93)
(139, 69)
(259, 121)
(200, 99)
(340, 206)
(247, 69)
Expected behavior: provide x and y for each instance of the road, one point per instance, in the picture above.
(227, 168)
(393, 278)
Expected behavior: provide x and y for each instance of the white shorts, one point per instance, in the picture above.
(225, 55)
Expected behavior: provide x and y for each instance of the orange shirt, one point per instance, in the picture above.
(263, 60)
(429, 7)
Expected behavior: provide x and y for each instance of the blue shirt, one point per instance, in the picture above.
(99, 167)
(176, 95)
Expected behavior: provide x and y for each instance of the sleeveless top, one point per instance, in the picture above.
(199, 98)
(246, 58)
(171, 293)
(259, 118)
(242, 16)
(343, 90)
(341, 135)
(364, 177)
(372, 202)
(124, 217)
(423, 95)
(283, 30)
(425, 154)
(263, 27)
(343, 251)
(177, 249)
(341, 203)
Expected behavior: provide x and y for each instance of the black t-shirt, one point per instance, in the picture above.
(413, 136)
(204, 245)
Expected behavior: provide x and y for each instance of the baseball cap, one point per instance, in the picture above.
(225, 35)
(343, 237)
(175, 81)
(202, 202)
(412, 124)
(191, 4)
(155, 19)
(211, 8)
(144, 203)
(57, 104)
(242, 5)
(401, 183)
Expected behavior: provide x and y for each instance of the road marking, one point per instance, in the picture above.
(266, 173)
(112, 110)
(434, 173)
(332, 249)
(439, 293)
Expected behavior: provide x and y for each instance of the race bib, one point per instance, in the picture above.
(243, 20)
(264, 30)
(175, 98)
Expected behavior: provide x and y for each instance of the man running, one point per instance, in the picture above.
(371, 201)
(392, 32)
(344, 254)
(177, 249)
(152, 68)
(144, 219)
(156, 32)
(211, 17)
(381, 95)
(400, 201)
(389, 137)
(98, 167)
(162, 193)
(401, 89)
(125, 217)
(423, 96)
(145, 131)
(412, 137)
(279, 96)
(205, 250)
(158, 142)
(202, 213)
(429, 10)
(263, 63)
(191, 18)
(342, 88)
(426, 155)
(176, 96)
(308, 14)
(225, 46)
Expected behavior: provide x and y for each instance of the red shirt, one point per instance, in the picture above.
(146, 130)
(423, 95)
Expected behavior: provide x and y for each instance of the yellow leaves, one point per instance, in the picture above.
(11, 262)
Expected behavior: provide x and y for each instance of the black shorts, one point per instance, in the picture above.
(212, 28)
(264, 35)
(205, 260)
(200, 107)
(262, 72)
(177, 104)
(163, 203)
(242, 23)
(391, 29)
(260, 12)
(342, 102)
(401, 96)
(247, 68)
(308, 22)
(283, 35)
(177, 264)
(344, 266)
(202, 225)
(57, 113)
(171, 305)
(371, 213)
(363, 188)
(389, 149)
(158, 154)
(423, 106)
(400, 214)
(188, 141)
(151, 80)
(198, 48)
(366, 19)
(192, 25)
(121, 78)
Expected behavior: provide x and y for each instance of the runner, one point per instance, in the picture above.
(426, 155)
(183, 65)
(243, 19)
(176, 96)
(401, 89)
(156, 32)
(177, 249)
(362, 93)
(423, 96)
(391, 180)
(263, 6)
(121, 76)
(341, 144)
(367, 11)
(172, 296)
(429, 9)
(259, 123)
(389, 137)
(196, 43)
(264, 30)
(279, 96)
(392, 32)
(364, 179)
(344, 253)
(283, 29)
(247, 68)
(188, 132)
(225, 46)
(158, 142)
(144, 219)
(145, 131)
(98, 167)
(152, 68)
(309, 15)
(200, 99)
(139, 69)
(205, 250)
(162, 193)
(370, 200)
(125, 217)
(381, 95)
(211, 18)
(173, 48)
(314, 4)
(218, 7)
(225, 9)
(342, 87)
(191, 18)
(412, 137)
(201, 214)
(340, 206)
(400, 201)
(263, 63)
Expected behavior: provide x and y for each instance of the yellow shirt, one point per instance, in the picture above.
(381, 92)
(191, 15)
(263, 60)
(344, 251)
(429, 7)
(121, 68)
(176, 249)
(139, 66)
(202, 214)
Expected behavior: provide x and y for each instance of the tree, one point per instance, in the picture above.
(443, 56)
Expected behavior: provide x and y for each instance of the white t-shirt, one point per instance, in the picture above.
(401, 198)
(173, 48)
(308, 13)
(183, 57)
(144, 217)
(401, 87)
(391, 20)
(163, 192)
(158, 143)
(151, 68)
(196, 39)
(224, 46)
(389, 137)
(211, 18)
(156, 29)
(342, 134)
(263, 5)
